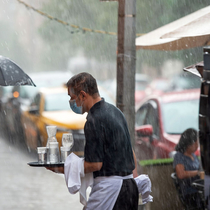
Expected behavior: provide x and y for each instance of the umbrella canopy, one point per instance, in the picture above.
(12, 75)
(190, 31)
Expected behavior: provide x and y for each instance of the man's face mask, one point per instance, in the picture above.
(74, 107)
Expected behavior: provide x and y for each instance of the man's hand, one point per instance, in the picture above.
(59, 169)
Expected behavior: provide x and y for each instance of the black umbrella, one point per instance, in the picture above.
(12, 75)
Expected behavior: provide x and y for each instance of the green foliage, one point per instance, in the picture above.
(165, 161)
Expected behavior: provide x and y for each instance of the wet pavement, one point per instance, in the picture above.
(23, 187)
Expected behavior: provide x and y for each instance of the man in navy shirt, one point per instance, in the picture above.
(108, 151)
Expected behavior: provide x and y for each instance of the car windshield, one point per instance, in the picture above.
(56, 102)
(185, 81)
(141, 85)
(162, 85)
(178, 116)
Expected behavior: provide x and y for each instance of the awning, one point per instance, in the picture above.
(190, 31)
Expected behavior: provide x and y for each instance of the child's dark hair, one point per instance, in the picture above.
(188, 137)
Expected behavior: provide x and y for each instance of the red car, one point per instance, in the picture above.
(157, 86)
(161, 119)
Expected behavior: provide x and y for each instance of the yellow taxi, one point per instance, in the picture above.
(50, 106)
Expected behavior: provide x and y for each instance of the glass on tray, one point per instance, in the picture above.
(67, 140)
(42, 154)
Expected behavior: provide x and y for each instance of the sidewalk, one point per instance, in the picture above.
(23, 187)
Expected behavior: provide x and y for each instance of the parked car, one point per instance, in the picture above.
(19, 99)
(50, 106)
(184, 81)
(161, 119)
(141, 82)
(157, 86)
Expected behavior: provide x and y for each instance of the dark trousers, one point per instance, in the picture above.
(194, 201)
(128, 197)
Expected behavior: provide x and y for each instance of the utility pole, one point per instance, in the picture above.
(126, 58)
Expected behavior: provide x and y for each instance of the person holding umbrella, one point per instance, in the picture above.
(108, 151)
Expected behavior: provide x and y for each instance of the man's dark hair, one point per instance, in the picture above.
(188, 137)
(83, 81)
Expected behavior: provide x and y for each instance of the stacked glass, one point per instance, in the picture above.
(53, 154)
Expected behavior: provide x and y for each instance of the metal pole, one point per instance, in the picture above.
(126, 57)
(204, 124)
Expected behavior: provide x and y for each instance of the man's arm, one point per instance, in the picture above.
(92, 166)
(182, 174)
(59, 169)
(88, 167)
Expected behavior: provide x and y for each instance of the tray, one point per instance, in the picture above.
(36, 164)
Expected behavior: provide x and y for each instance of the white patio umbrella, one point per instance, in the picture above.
(190, 31)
